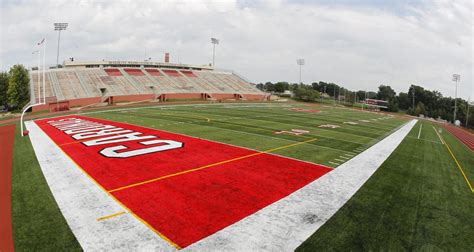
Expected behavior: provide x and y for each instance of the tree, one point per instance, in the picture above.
(385, 93)
(269, 87)
(306, 93)
(3, 88)
(403, 101)
(259, 86)
(280, 87)
(18, 86)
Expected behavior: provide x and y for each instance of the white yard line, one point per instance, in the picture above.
(82, 202)
(285, 224)
(419, 132)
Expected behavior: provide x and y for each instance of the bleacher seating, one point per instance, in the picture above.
(77, 83)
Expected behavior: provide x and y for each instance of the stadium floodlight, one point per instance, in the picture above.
(300, 63)
(456, 79)
(214, 42)
(59, 27)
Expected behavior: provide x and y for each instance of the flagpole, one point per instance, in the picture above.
(39, 77)
(44, 71)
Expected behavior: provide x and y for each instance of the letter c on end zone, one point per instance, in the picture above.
(166, 145)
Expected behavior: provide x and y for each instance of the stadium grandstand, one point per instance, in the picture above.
(78, 84)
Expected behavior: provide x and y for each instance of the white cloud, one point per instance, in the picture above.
(359, 47)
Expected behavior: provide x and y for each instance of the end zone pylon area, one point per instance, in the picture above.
(182, 187)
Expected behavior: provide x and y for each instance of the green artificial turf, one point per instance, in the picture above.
(38, 224)
(254, 126)
(417, 200)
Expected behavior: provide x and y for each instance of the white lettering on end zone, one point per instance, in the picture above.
(106, 134)
(166, 145)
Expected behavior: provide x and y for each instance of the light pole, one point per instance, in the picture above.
(59, 27)
(456, 79)
(300, 63)
(214, 42)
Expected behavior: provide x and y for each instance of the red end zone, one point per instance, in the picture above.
(185, 188)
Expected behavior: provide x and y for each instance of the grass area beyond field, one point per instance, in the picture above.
(417, 200)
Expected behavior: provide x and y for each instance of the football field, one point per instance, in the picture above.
(205, 176)
(339, 132)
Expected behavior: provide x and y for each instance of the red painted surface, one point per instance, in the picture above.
(113, 72)
(190, 206)
(223, 96)
(172, 73)
(153, 72)
(188, 73)
(133, 98)
(134, 71)
(466, 137)
(182, 96)
(6, 154)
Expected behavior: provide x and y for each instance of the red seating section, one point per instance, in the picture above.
(153, 72)
(134, 71)
(173, 73)
(188, 73)
(113, 72)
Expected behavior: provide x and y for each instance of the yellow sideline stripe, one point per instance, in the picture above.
(116, 200)
(209, 165)
(457, 162)
(440, 138)
(110, 216)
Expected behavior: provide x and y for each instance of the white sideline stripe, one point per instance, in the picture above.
(333, 163)
(82, 202)
(285, 224)
(419, 132)
(340, 160)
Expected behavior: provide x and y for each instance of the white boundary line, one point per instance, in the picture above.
(285, 224)
(419, 132)
(82, 202)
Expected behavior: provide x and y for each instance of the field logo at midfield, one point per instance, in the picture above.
(295, 132)
(331, 126)
(83, 130)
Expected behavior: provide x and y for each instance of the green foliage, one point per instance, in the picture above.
(306, 93)
(269, 87)
(385, 93)
(18, 88)
(281, 87)
(3, 88)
